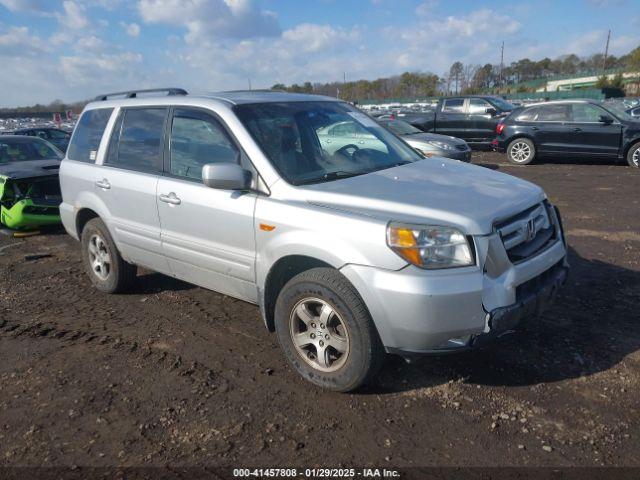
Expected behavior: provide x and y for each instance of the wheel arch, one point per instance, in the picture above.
(630, 144)
(283, 270)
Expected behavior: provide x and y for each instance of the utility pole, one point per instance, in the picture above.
(249, 80)
(606, 53)
(501, 64)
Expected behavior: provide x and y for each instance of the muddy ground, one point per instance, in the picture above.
(175, 374)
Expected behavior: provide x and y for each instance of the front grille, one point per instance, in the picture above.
(528, 233)
(41, 210)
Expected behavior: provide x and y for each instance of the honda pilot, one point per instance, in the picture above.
(350, 253)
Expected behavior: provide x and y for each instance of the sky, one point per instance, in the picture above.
(76, 49)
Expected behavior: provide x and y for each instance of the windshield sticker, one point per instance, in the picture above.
(93, 154)
(363, 119)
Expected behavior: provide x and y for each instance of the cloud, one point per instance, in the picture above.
(73, 16)
(309, 37)
(132, 29)
(18, 39)
(211, 19)
(33, 6)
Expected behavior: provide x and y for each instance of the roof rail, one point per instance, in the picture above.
(134, 93)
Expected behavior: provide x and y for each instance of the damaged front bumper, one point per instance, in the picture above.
(30, 213)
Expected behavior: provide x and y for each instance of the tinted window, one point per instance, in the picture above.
(478, 106)
(140, 144)
(528, 115)
(585, 112)
(555, 113)
(58, 134)
(24, 149)
(198, 139)
(88, 133)
(453, 105)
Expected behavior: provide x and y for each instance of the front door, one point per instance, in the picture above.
(207, 234)
(591, 136)
(481, 126)
(452, 118)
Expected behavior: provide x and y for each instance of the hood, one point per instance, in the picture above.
(433, 191)
(427, 137)
(30, 168)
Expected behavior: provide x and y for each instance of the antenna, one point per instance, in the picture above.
(606, 53)
(501, 64)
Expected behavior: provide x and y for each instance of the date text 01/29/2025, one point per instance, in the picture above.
(316, 473)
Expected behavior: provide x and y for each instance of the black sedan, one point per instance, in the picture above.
(59, 138)
(569, 128)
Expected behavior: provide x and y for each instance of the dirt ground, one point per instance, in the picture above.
(175, 374)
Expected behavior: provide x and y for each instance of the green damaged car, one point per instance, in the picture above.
(29, 184)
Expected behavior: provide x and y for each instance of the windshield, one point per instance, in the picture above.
(619, 111)
(502, 104)
(399, 127)
(312, 142)
(24, 149)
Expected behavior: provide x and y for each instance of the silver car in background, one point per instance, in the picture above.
(350, 253)
(428, 144)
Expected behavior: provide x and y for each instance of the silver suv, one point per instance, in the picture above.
(349, 252)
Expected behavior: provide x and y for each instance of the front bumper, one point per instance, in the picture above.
(29, 214)
(420, 312)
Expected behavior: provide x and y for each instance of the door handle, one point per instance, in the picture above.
(577, 129)
(172, 198)
(104, 184)
(361, 142)
(535, 128)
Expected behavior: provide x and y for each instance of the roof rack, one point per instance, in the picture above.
(134, 93)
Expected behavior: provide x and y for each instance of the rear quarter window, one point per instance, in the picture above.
(88, 133)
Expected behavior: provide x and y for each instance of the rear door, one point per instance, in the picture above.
(207, 234)
(452, 118)
(127, 184)
(590, 135)
(552, 130)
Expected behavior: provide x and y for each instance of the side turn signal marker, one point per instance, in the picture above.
(267, 228)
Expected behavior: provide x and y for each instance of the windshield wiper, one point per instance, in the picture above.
(327, 177)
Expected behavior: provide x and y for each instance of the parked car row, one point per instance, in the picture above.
(56, 136)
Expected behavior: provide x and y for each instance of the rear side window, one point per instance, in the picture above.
(555, 113)
(453, 105)
(136, 141)
(528, 115)
(86, 139)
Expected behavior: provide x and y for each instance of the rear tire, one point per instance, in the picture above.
(633, 156)
(105, 266)
(326, 332)
(521, 151)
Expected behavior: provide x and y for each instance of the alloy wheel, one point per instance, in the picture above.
(319, 334)
(520, 152)
(636, 157)
(99, 257)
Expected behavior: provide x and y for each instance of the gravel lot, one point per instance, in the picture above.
(175, 374)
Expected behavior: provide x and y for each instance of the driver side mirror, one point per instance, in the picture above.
(606, 119)
(226, 176)
(491, 111)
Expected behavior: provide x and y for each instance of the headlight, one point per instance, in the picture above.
(440, 145)
(430, 246)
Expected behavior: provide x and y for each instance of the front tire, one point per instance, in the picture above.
(326, 332)
(105, 266)
(633, 156)
(521, 151)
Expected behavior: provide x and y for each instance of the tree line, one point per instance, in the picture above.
(472, 78)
